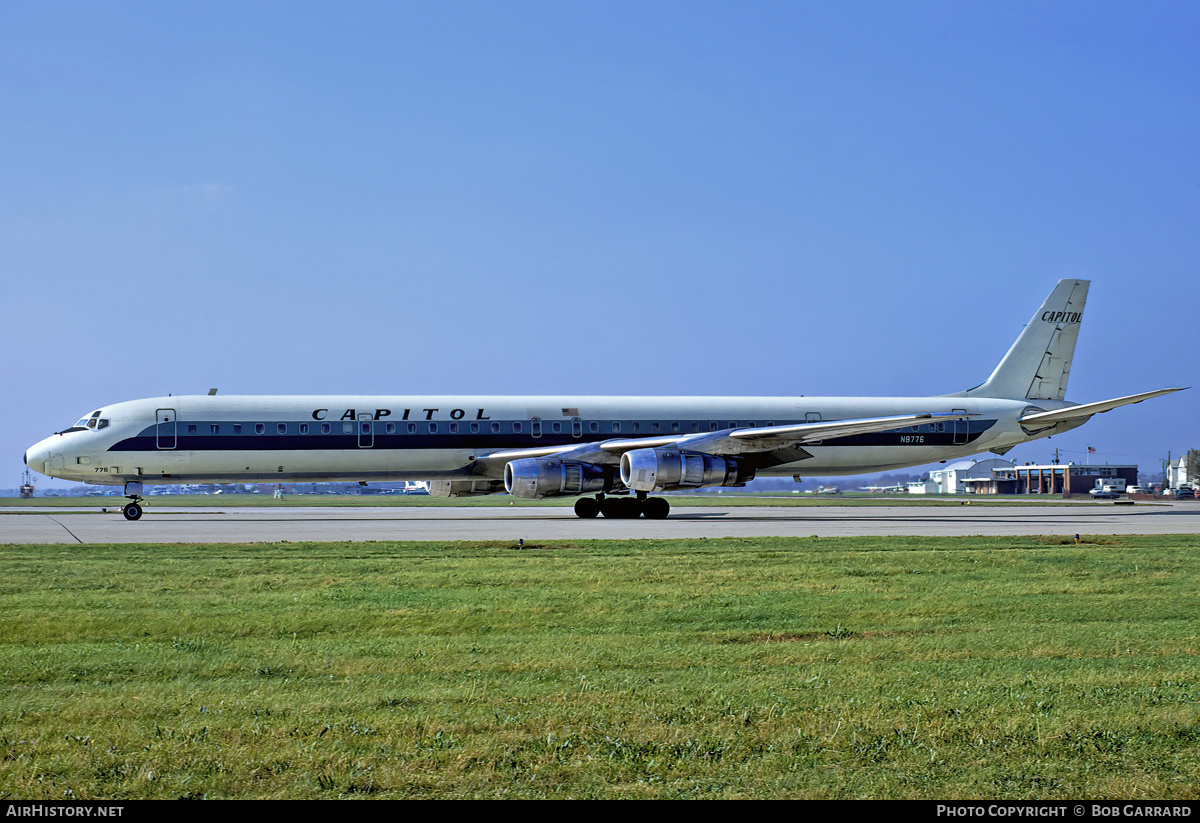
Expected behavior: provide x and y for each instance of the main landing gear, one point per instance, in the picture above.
(623, 508)
(133, 509)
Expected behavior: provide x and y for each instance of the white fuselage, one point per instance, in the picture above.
(236, 439)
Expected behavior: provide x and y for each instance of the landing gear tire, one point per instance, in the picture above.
(132, 511)
(656, 508)
(587, 507)
(619, 508)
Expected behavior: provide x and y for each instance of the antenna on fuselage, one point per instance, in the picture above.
(211, 392)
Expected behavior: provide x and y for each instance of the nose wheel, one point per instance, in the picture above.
(133, 509)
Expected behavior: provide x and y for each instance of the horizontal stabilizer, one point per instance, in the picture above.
(1051, 418)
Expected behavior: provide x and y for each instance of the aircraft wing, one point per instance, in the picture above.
(788, 438)
(606, 452)
(802, 434)
(521, 454)
(1051, 418)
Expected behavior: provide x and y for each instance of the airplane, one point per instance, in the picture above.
(610, 453)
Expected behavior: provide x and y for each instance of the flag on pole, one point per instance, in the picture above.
(1091, 450)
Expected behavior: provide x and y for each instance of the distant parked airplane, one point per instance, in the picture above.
(538, 447)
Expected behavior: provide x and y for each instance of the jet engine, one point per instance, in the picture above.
(547, 477)
(649, 470)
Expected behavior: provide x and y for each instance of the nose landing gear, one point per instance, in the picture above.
(133, 509)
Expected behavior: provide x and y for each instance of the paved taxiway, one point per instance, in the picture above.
(246, 525)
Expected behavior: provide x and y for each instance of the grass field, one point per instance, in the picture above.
(831, 668)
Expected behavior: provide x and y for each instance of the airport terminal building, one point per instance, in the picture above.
(1057, 478)
(990, 476)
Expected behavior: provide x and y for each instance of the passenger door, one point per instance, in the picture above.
(366, 430)
(165, 434)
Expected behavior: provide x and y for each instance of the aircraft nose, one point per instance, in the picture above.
(37, 456)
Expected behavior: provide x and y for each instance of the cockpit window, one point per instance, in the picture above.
(92, 421)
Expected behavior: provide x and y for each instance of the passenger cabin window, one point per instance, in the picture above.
(474, 428)
(454, 428)
(517, 427)
(304, 428)
(325, 428)
(594, 426)
(347, 428)
(281, 428)
(237, 428)
(495, 428)
(214, 428)
(260, 428)
(412, 428)
(389, 428)
(433, 428)
(191, 428)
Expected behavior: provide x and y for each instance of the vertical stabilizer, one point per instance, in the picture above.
(1038, 364)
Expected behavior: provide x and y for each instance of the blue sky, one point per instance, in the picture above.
(607, 198)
